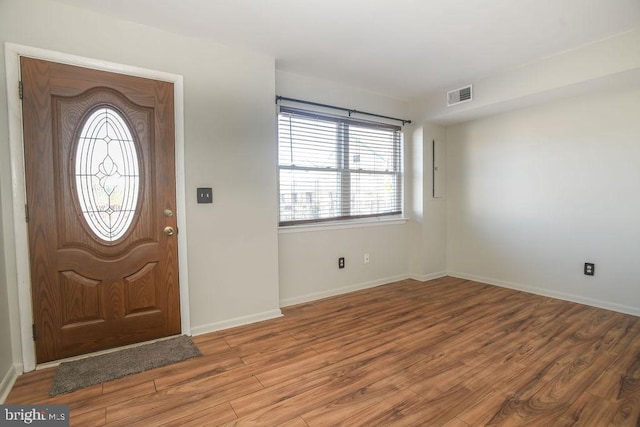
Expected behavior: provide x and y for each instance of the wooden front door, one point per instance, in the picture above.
(100, 179)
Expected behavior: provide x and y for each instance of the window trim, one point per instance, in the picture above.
(347, 220)
(344, 224)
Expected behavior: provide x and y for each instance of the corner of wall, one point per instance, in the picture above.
(7, 382)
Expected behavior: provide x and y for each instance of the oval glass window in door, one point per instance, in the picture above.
(107, 174)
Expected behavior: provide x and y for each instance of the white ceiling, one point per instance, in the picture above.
(400, 48)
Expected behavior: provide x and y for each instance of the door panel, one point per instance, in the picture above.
(103, 274)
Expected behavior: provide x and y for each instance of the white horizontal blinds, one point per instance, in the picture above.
(336, 168)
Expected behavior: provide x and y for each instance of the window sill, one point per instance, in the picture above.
(339, 225)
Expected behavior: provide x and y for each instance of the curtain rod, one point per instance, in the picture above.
(349, 110)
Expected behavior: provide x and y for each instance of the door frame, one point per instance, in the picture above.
(13, 52)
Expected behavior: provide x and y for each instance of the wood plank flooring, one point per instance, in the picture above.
(448, 352)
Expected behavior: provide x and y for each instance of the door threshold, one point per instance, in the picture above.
(55, 363)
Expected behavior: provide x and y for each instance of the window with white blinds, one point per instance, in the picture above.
(333, 168)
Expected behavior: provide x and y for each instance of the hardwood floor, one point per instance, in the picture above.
(447, 352)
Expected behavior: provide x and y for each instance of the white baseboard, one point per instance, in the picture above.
(8, 381)
(245, 320)
(339, 291)
(607, 305)
(430, 276)
(238, 321)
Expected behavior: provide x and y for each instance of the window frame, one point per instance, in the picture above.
(345, 171)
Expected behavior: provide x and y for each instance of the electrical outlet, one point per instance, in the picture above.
(366, 258)
(589, 269)
(341, 262)
(205, 195)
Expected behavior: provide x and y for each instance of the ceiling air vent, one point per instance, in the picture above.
(458, 96)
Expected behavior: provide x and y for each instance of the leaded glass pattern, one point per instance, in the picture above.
(107, 174)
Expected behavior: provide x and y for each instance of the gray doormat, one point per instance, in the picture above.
(72, 376)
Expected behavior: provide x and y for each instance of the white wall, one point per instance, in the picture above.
(229, 145)
(535, 193)
(428, 230)
(309, 259)
(434, 230)
(6, 352)
(415, 188)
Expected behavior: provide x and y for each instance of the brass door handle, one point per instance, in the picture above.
(168, 230)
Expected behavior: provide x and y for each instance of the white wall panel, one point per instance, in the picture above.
(439, 168)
